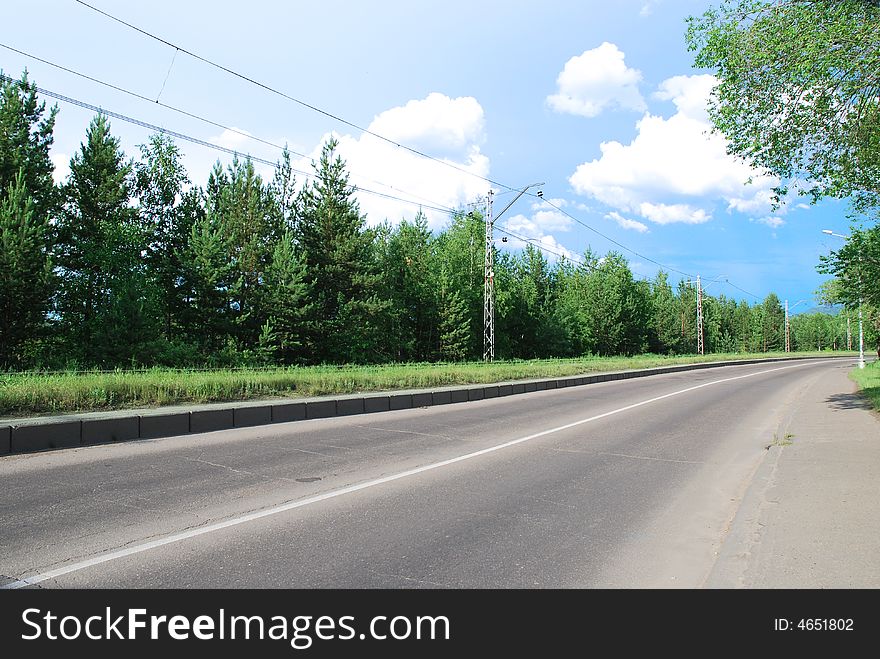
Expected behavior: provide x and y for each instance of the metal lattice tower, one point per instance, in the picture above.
(489, 286)
(787, 330)
(700, 347)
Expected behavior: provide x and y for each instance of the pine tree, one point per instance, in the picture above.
(460, 256)
(455, 326)
(407, 264)
(105, 300)
(666, 325)
(29, 200)
(208, 276)
(249, 216)
(773, 325)
(168, 208)
(337, 251)
(26, 135)
(286, 295)
(25, 272)
(284, 192)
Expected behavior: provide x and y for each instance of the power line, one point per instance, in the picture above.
(356, 126)
(308, 175)
(289, 97)
(431, 204)
(200, 142)
(741, 290)
(149, 100)
(609, 239)
(542, 247)
(632, 251)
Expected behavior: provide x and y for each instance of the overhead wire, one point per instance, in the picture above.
(430, 204)
(217, 147)
(351, 124)
(446, 210)
(608, 238)
(323, 112)
(293, 99)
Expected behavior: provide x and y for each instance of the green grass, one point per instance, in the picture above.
(26, 394)
(868, 379)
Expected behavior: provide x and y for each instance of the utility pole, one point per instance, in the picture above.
(787, 333)
(489, 285)
(700, 346)
(848, 332)
(489, 273)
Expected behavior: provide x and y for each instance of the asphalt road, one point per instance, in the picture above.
(631, 483)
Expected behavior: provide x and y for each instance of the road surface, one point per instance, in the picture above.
(630, 483)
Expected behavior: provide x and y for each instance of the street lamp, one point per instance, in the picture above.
(861, 331)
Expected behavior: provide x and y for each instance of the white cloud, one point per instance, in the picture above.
(552, 220)
(648, 7)
(61, 163)
(689, 94)
(772, 221)
(596, 80)
(627, 223)
(533, 229)
(435, 123)
(675, 169)
(454, 127)
(673, 213)
(541, 203)
(235, 139)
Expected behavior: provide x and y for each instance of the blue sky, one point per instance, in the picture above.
(597, 100)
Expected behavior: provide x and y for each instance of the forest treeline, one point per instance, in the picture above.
(130, 263)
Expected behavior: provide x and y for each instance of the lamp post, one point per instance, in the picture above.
(861, 330)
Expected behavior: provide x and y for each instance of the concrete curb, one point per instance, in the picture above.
(40, 434)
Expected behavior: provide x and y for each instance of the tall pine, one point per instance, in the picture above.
(338, 254)
(25, 273)
(106, 303)
(26, 135)
(28, 201)
(168, 208)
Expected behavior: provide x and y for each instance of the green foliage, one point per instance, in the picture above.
(287, 295)
(139, 267)
(28, 200)
(25, 272)
(798, 94)
(337, 251)
(407, 264)
(105, 295)
(26, 135)
(460, 257)
(167, 210)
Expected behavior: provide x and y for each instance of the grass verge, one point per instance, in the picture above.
(29, 394)
(868, 379)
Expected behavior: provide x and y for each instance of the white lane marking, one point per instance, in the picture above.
(301, 503)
